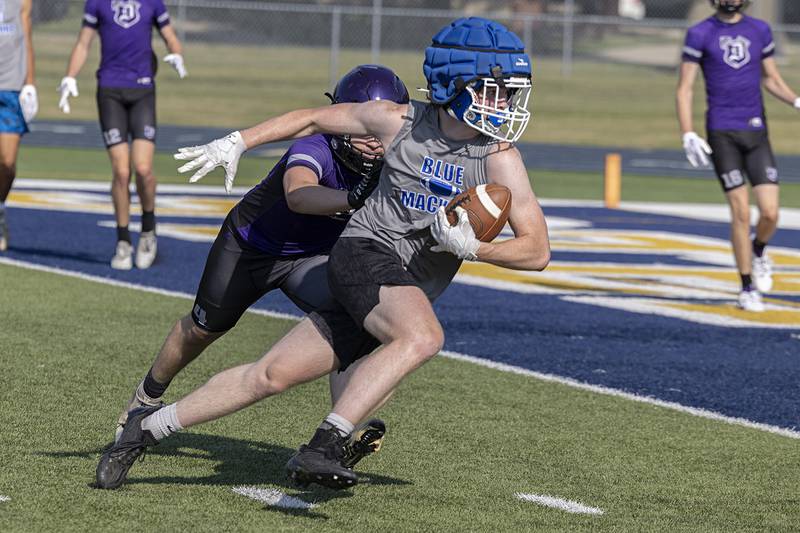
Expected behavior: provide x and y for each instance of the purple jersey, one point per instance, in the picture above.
(730, 56)
(126, 31)
(263, 219)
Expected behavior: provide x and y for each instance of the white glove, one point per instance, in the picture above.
(459, 240)
(176, 60)
(223, 152)
(697, 149)
(29, 102)
(797, 104)
(68, 87)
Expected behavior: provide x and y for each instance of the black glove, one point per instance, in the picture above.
(362, 190)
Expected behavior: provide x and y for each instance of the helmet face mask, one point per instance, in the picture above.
(364, 83)
(496, 108)
(730, 6)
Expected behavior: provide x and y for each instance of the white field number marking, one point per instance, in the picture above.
(558, 503)
(273, 498)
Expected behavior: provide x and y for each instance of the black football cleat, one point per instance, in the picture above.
(119, 457)
(320, 462)
(365, 440)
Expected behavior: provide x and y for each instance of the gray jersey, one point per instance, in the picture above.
(13, 60)
(422, 171)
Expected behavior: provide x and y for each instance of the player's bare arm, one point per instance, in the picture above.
(530, 247)
(26, 28)
(175, 56)
(696, 148)
(775, 84)
(304, 194)
(380, 119)
(69, 86)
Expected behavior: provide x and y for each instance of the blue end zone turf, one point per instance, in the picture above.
(610, 310)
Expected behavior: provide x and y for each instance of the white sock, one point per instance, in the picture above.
(342, 425)
(163, 422)
(142, 396)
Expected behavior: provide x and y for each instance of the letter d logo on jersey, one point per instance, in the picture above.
(736, 49)
(126, 12)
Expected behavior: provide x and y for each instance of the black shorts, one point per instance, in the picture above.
(236, 275)
(739, 153)
(127, 113)
(357, 269)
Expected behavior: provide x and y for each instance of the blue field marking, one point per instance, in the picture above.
(748, 372)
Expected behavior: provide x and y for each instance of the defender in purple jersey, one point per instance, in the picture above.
(735, 51)
(18, 99)
(126, 103)
(278, 237)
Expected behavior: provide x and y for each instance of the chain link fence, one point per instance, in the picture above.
(649, 33)
(604, 70)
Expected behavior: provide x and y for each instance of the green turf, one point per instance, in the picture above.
(601, 103)
(69, 163)
(462, 440)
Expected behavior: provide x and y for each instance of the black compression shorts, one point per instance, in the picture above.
(737, 154)
(127, 113)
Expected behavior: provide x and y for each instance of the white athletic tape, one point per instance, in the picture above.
(487, 202)
(273, 498)
(565, 505)
(503, 367)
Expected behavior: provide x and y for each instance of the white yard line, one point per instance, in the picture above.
(558, 503)
(503, 367)
(273, 498)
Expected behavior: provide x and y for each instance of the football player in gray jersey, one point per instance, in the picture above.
(397, 253)
(18, 100)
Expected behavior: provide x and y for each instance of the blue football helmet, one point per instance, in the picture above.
(363, 84)
(479, 71)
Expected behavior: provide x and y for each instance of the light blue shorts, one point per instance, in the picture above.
(11, 119)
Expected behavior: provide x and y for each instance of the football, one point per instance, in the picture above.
(487, 206)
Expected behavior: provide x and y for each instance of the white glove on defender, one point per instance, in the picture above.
(29, 102)
(223, 152)
(176, 60)
(697, 149)
(459, 240)
(68, 87)
(797, 104)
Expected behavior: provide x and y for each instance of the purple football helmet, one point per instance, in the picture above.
(363, 84)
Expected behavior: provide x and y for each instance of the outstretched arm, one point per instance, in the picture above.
(684, 95)
(530, 247)
(379, 118)
(774, 84)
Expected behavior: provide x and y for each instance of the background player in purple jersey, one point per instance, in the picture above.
(278, 237)
(18, 99)
(126, 102)
(735, 53)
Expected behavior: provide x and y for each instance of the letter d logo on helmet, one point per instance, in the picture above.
(479, 71)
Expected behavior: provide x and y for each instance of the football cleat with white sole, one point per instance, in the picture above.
(123, 258)
(762, 273)
(320, 462)
(146, 250)
(139, 399)
(112, 470)
(365, 440)
(750, 300)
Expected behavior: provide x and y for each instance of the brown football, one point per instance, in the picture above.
(487, 206)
